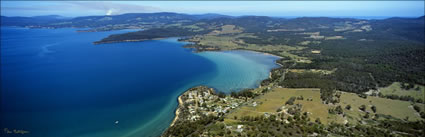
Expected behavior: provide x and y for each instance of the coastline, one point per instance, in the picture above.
(265, 53)
(198, 48)
(189, 45)
(181, 103)
(177, 112)
(181, 112)
(202, 49)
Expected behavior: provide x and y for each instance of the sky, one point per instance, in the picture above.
(234, 8)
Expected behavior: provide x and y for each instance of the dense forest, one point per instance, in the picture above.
(150, 34)
(392, 51)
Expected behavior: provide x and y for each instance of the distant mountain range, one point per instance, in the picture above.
(25, 21)
(98, 21)
(187, 24)
(146, 19)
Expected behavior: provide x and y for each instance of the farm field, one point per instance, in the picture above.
(233, 42)
(276, 98)
(418, 92)
(396, 108)
(311, 103)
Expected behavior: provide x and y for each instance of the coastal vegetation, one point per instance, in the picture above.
(302, 112)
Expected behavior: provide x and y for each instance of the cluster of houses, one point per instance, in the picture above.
(205, 101)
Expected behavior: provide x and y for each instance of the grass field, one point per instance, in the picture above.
(229, 29)
(225, 43)
(312, 70)
(232, 42)
(396, 108)
(276, 98)
(271, 101)
(395, 89)
(194, 28)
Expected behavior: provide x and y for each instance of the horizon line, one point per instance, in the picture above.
(339, 16)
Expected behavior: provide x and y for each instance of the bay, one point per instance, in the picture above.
(55, 82)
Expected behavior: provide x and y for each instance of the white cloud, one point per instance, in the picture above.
(109, 12)
(72, 8)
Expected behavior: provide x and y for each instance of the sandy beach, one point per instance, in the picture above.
(177, 110)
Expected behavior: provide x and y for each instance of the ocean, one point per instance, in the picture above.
(56, 83)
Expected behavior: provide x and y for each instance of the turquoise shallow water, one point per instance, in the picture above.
(57, 83)
(239, 69)
(235, 70)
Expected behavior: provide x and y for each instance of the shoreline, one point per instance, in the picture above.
(195, 43)
(184, 46)
(179, 99)
(177, 112)
(265, 53)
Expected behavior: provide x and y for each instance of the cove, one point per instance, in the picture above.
(55, 82)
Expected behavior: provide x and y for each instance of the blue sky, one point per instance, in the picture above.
(237, 8)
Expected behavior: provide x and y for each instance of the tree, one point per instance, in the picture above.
(417, 108)
(338, 110)
(331, 111)
(290, 119)
(233, 94)
(290, 101)
(318, 121)
(221, 95)
(362, 95)
(376, 116)
(348, 107)
(272, 118)
(300, 98)
(279, 109)
(366, 115)
(423, 115)
(362, 108)
(373, 108)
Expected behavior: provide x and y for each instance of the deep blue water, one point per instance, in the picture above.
(56, 83)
